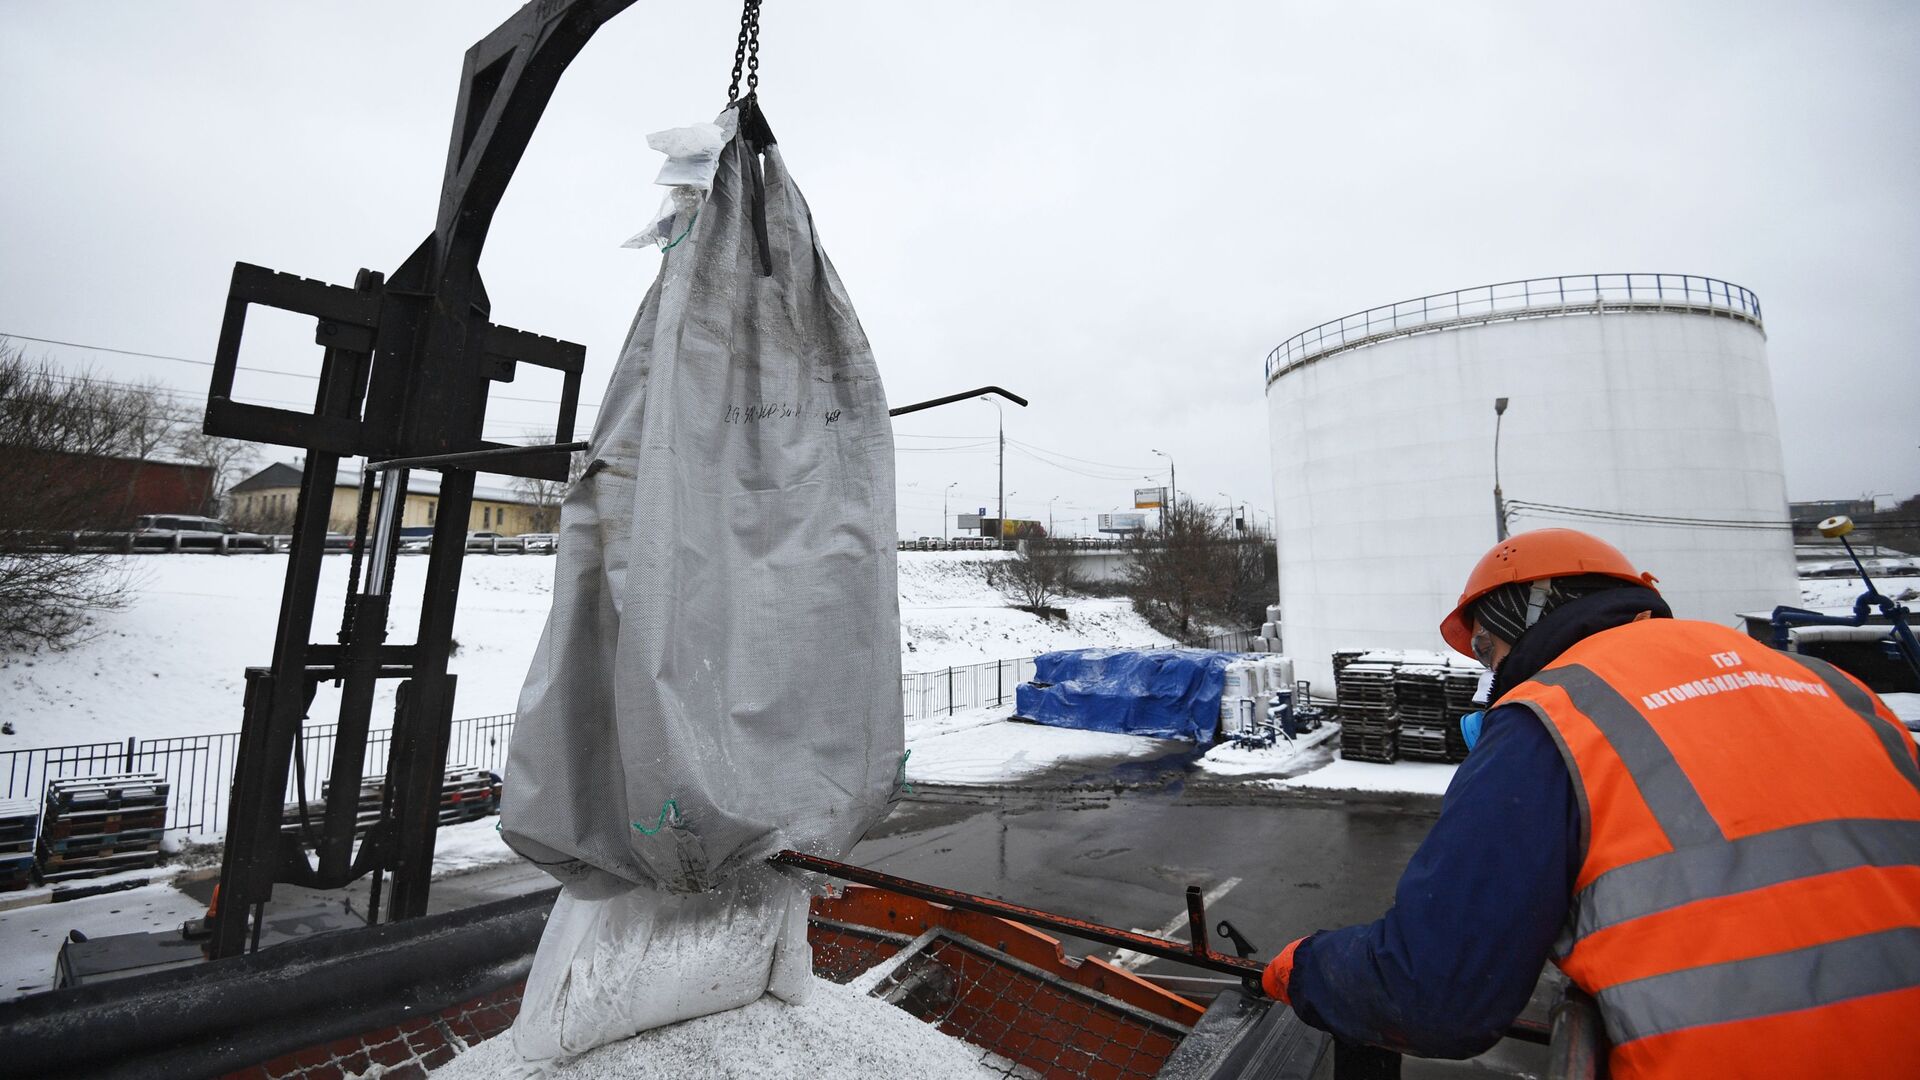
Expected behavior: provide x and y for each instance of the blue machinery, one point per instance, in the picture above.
(1900, 637)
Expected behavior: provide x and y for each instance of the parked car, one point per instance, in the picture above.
(492, 541)
(541, 543)
(153, 530)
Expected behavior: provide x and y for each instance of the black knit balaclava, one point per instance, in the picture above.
(1504, 610)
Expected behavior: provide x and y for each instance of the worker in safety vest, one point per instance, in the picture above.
(1717, 841)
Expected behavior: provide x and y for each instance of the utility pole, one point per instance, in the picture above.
(943, 508)
(1499, 501)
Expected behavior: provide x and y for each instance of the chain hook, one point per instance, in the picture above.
(746, 52)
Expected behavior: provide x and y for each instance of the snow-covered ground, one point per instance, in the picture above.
(174, 662)
(949, 615)
(32, 935)
(31, 928)
(1907, 708)
(986, 746)
(1411, 777)
(1840, 592)
(1227, 761)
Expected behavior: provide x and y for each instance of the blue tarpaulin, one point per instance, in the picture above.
(1163, 693)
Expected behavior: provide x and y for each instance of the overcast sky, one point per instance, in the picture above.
(1114, 209)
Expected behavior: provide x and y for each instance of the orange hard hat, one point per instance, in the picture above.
(1535, 556)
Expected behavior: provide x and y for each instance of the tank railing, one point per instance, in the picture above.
(1529, 297)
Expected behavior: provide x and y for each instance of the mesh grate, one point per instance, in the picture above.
(843, 953)
(407, 1051)
(1034, 1026)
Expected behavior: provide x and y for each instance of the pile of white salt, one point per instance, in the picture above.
(836, 1031)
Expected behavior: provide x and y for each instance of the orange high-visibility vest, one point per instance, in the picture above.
(1748, 901)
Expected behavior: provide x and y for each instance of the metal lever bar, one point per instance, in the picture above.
(1197, 955)
(468, 457)
(951, 398)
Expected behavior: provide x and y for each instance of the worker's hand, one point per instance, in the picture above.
(1279, 972)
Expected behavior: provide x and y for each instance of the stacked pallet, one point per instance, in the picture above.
(95, 825)
(1420, 702)
(468, 793)
(19, 828)
(1369, 729)
(1396, 704)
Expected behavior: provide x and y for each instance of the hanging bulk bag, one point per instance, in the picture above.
(719, 676)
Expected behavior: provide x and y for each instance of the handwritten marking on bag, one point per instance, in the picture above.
(769, 411)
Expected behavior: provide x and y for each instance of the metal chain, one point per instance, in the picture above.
(746, 52)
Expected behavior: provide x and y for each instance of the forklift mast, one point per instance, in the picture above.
(406, 367)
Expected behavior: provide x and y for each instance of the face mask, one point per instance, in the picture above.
(1470, 727)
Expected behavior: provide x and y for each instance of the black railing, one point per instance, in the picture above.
(1530, 298)
(199, 768)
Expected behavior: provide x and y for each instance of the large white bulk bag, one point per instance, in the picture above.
(719, 676)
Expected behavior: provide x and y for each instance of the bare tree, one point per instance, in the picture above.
(1039, 575)
(1252, 569)
(1173, 578)
(545, 496)
(59, 436)
(1199, 570)
(224, 459)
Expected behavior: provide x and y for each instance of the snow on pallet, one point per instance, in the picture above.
(96, 825)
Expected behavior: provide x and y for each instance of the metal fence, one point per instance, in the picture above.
(1529, 298)
(199, 768)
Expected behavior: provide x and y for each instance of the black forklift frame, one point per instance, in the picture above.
(406, 368)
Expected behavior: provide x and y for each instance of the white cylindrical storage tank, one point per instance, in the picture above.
(1631, 398)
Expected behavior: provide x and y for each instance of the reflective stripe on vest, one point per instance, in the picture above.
(1764, 985)
(1894, 738)
(1751, 862)
(1632, 875)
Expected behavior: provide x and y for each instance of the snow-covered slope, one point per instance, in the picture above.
(174, 662)
(949, 615)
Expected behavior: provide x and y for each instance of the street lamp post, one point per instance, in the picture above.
(1499, 500)
(943, 508)
(1050, 503)
(1002, 413)
(1173, 482)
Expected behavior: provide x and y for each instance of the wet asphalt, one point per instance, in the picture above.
(1125, 858)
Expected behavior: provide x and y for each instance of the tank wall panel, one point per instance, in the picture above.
(1383, 467)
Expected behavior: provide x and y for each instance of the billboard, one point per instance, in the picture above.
(1013, 529)
(969, 521)
(1123, 523)
(1153, 498)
